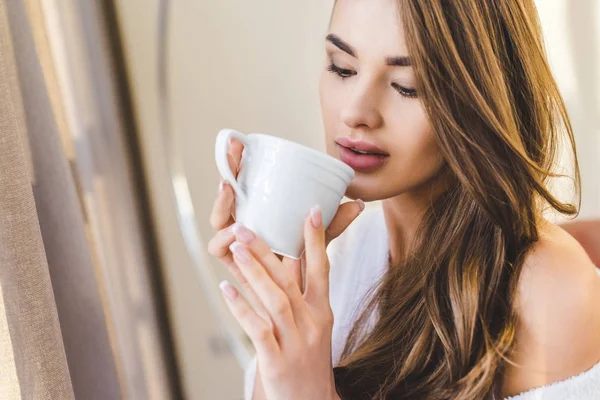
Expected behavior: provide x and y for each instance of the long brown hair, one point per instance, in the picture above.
(445, 317)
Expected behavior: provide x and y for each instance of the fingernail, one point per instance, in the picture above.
(232, 227)
(240, 252)
(228, 289)
(316, 216)
(361, 204)
(243, 233)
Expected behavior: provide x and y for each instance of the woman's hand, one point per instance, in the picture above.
(222, 218)
(293, 337)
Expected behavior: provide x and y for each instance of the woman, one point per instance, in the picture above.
(456, 287)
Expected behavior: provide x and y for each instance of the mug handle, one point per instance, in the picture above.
(221, 150)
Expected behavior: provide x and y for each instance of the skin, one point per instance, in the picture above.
(289, 321)
(559, 282)
(557, 305)
(375, 102)
(559, 291)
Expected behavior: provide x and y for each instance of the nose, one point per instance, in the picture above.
(362, 110)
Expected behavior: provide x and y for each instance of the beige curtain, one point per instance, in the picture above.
(80, 309)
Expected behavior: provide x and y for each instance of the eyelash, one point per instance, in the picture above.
(346, 73)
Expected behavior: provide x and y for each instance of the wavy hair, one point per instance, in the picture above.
(446, 318)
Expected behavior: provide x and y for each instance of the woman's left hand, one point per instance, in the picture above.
(293, 343)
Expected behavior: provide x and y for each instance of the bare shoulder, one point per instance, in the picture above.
(556, 265)
(558, 304)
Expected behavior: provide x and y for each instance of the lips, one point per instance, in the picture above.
(361, 156)
(361, 147)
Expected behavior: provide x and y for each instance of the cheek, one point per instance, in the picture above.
(427, 153)
(418, 154)
(410, 128)
(423, 158)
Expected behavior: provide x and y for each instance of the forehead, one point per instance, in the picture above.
(372, 27)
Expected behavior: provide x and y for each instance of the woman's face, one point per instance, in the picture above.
(369, 103)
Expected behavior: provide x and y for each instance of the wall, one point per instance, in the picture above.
(572, 34)
(253, 66)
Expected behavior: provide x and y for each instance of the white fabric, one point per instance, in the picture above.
(585, 386)
(358, 259)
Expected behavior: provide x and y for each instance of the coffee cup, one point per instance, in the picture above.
(278, 183)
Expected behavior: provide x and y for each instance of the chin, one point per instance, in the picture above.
(366, 191)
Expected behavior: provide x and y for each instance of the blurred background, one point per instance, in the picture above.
(107, 177)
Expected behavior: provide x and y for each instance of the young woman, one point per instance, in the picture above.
(454, 286)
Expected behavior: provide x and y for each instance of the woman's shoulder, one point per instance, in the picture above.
(558, 306)
(558, 262)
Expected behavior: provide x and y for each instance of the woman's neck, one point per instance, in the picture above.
(403, 214)
(402, 217)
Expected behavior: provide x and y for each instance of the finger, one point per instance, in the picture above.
(218, 246)
(295, 267)
(251, 295)
(317, 263)
(234, 158)
(274, 300)
(233, 164)
(220, 216)
(275, 268)
(235, 151)
(344, 216)
(234, 169)
(255, 326)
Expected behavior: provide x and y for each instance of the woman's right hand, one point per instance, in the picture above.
(223, 217)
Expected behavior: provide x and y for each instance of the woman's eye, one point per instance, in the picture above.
(347, 73)
(341, 72)
(406, 92)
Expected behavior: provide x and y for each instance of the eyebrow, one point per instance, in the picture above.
(397, 61)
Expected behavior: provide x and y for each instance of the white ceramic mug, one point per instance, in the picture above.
(279, 181)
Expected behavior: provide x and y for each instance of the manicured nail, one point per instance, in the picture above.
(361, 204)
(228, 289)
(240, 252)
(242, 233)
(232, 227)
(316, 216)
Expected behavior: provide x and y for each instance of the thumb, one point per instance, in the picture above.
(344, 216)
